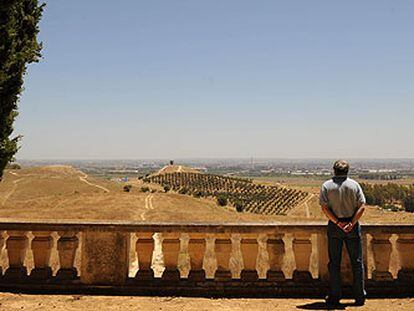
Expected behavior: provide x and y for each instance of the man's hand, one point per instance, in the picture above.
(341, 224)
(348, 227)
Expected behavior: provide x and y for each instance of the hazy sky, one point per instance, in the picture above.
(221, 78)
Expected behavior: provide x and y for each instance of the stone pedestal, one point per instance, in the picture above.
(196, 251)
(144, 249)
(42, 244)
(405, 248)
(381, 249)
(302, 250)
(249, 248)
(171, 249)
(276, 253)
(67, 246)
(16, 245)
(105, 257)
(223, 252)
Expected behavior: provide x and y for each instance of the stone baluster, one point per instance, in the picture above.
(144, 249)
(196, 251)
(302, 250)
(249, 248)
(42, 244)
(276, 253)
(67, 245)
(223, 250)
(323, 257)
(381, 249)
(171, 249)
(16, 245)
(405, 248)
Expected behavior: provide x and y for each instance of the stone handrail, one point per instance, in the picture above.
(199, 258)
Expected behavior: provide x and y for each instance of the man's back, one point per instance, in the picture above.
(343, 195)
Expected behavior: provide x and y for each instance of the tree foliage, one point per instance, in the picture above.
(389, 194)
(19, 20)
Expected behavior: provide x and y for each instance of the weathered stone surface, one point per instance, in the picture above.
(104, 257)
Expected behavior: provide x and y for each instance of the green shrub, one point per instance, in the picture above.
(127, 188)
(167, 188)
(239, 206)
(222, 199)
(145, 189)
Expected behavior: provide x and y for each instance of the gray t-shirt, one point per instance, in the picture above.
(343, 195)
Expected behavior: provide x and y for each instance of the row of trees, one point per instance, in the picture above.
(243, 194)
(389, 195)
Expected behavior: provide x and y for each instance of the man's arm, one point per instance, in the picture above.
(357, 216)
(327, 211)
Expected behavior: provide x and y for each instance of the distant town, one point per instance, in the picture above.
(374, 169)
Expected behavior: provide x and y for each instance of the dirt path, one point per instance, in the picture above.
(307, 206)
(84, 179)
(12, 191)
(148, 205)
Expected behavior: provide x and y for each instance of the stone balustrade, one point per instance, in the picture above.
(200, 259)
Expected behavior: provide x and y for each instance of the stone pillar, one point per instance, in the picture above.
(42, 244)
(249, 248)
(67, 246)
(381, 249)
(105, 257)
(196, 251)
(405, 248)
(171, 249)
(223, 252)
(144, 249)
(16, 245)
(302, 250)
(276, 253)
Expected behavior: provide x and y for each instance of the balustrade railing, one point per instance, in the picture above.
(186, 257)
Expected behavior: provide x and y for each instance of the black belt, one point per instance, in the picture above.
(345, 219)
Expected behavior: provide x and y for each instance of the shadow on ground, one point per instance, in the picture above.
(323, 306)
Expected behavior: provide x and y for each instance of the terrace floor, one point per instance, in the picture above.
(9, 301)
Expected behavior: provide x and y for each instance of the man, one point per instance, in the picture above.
(342, 201)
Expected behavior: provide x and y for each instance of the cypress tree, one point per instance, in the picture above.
(19, 26)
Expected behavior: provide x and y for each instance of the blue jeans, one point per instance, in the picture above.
(353, 243)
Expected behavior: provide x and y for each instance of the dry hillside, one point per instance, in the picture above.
(62, 192)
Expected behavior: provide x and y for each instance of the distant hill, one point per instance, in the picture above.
(63, 192)
(168, 169)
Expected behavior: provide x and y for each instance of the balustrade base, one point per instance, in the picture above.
(16, 273)
(209, 288)
(381, 276)
(275, 276)
(222, 276)
(171, 275)
(41, 273)
(197, 276)
(302, 276)
(406, 275)
(67, 274)
(145, 275)
(247, 275)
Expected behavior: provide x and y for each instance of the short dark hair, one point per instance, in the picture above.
(341, 167)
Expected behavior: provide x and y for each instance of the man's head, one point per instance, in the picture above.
(341, 168)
